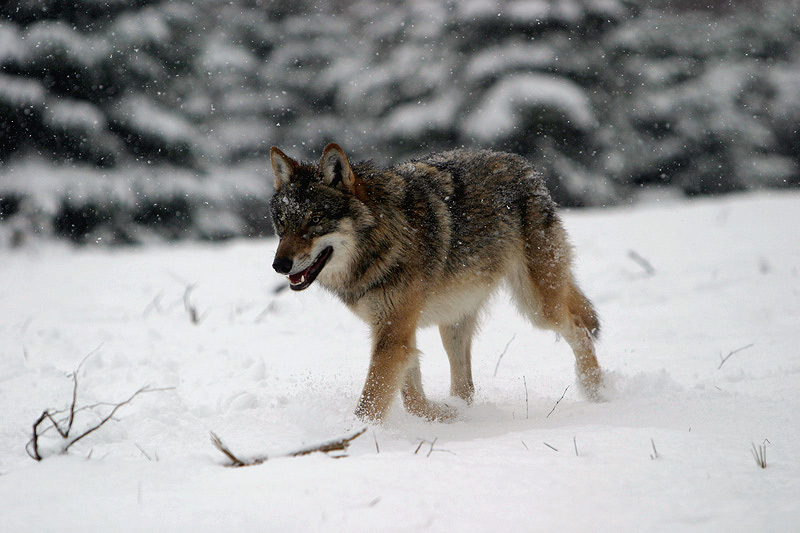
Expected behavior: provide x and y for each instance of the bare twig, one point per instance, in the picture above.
(526, 446)
(33, 445)
(147, 455)
(194, 316)
(502, 354)
(432, 449)
(654, 455)
(432, 444)
(737, 350)
(235, 461)
(438, 449)
(525, 383)
(642, 262)
(760, 453)
(154, 304)
(557, 402)
(339, 444)
(375, 437)
(87, 356)
(63, 426)
(334, 445)
(575, 443)
(56, 424)
(71, 418)
(554, 449)
(65, 431)
(111, 414)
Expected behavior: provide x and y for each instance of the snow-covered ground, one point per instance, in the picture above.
(272, 372)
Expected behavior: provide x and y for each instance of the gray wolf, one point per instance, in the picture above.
(427, 242)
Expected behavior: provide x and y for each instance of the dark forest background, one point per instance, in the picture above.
(135, 121)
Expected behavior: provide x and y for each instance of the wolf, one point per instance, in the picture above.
(426, 242)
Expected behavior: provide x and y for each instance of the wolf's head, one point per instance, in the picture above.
(312, 212)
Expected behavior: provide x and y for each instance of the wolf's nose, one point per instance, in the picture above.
(282, 265)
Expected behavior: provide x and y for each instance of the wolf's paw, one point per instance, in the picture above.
(367, 414)
(593, 386)
(433, 411)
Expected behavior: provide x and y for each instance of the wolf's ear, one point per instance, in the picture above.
(335, 169)
(283, 167)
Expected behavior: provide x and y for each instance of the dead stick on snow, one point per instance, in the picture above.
(33, 445)
(113, 412)
(339, 444)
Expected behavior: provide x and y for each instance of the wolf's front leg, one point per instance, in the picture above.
(386, 370)
(393, 352)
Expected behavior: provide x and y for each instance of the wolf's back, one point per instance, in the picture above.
(482, 201)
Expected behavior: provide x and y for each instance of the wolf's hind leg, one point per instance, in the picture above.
(580, 329)
(566, 311)
(547, 294)
(587, 369)
(457, 341)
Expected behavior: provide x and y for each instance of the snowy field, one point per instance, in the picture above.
(270, 373)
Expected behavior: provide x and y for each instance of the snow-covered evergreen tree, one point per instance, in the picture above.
(122, 120)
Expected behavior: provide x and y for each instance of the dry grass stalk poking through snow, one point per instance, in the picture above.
(760, 454)
(723, 360)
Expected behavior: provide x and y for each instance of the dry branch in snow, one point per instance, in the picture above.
(334, 445)
(63, 420)
(64, 425)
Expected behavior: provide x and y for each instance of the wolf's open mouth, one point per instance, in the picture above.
(301, 280)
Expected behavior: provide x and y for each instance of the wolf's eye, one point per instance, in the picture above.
(315, 220)
(280, 224)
